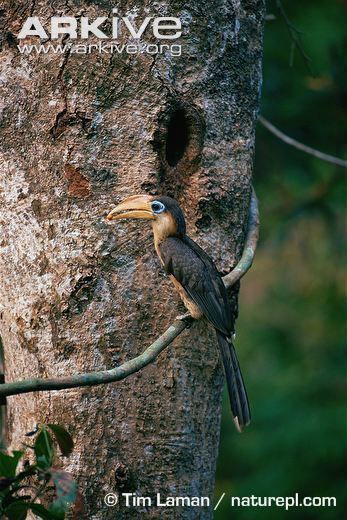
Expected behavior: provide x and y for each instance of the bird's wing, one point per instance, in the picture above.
(200, 279)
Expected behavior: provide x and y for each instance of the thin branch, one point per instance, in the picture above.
(300, 146)
(98, 378)
(295, 36)
(151, 353)
(250, 245)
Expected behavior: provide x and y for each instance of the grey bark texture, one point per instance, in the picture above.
(78, 134)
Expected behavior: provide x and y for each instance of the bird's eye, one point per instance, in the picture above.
(157, 207)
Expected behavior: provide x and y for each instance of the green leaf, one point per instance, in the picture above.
(31, 470)
(17, 510)
(63, 439)
(43, 448)
(5, 483)
(57, 510)
(46, 514)
(9, 463)
(42, 461)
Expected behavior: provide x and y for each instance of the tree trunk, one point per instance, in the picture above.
(78, 134)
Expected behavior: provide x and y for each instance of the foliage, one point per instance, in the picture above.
(291, 326)
(25, 485)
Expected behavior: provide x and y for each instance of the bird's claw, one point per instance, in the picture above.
(187, 318)
(184, 317)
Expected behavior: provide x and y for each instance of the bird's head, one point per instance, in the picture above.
(164, 212)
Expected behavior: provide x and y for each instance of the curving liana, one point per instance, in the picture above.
(197, 281)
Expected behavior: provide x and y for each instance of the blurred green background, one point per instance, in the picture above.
(290, 332)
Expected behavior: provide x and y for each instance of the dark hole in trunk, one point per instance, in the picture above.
(177, 137)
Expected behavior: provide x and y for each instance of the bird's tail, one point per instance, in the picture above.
(236, 387)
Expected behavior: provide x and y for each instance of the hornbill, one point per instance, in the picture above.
(197, 281)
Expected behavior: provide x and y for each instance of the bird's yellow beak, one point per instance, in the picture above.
(137, 206)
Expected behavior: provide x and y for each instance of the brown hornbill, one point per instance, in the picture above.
(197, 280)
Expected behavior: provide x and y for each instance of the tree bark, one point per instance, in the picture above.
(78, 134)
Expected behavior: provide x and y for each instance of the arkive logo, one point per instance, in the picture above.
(79, 29)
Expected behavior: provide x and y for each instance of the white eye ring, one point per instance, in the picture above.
(157, 207)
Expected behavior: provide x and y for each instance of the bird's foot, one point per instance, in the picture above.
(187, 318)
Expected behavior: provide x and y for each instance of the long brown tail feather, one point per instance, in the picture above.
(236, 387)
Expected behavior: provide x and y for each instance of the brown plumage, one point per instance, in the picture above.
(197, 281)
